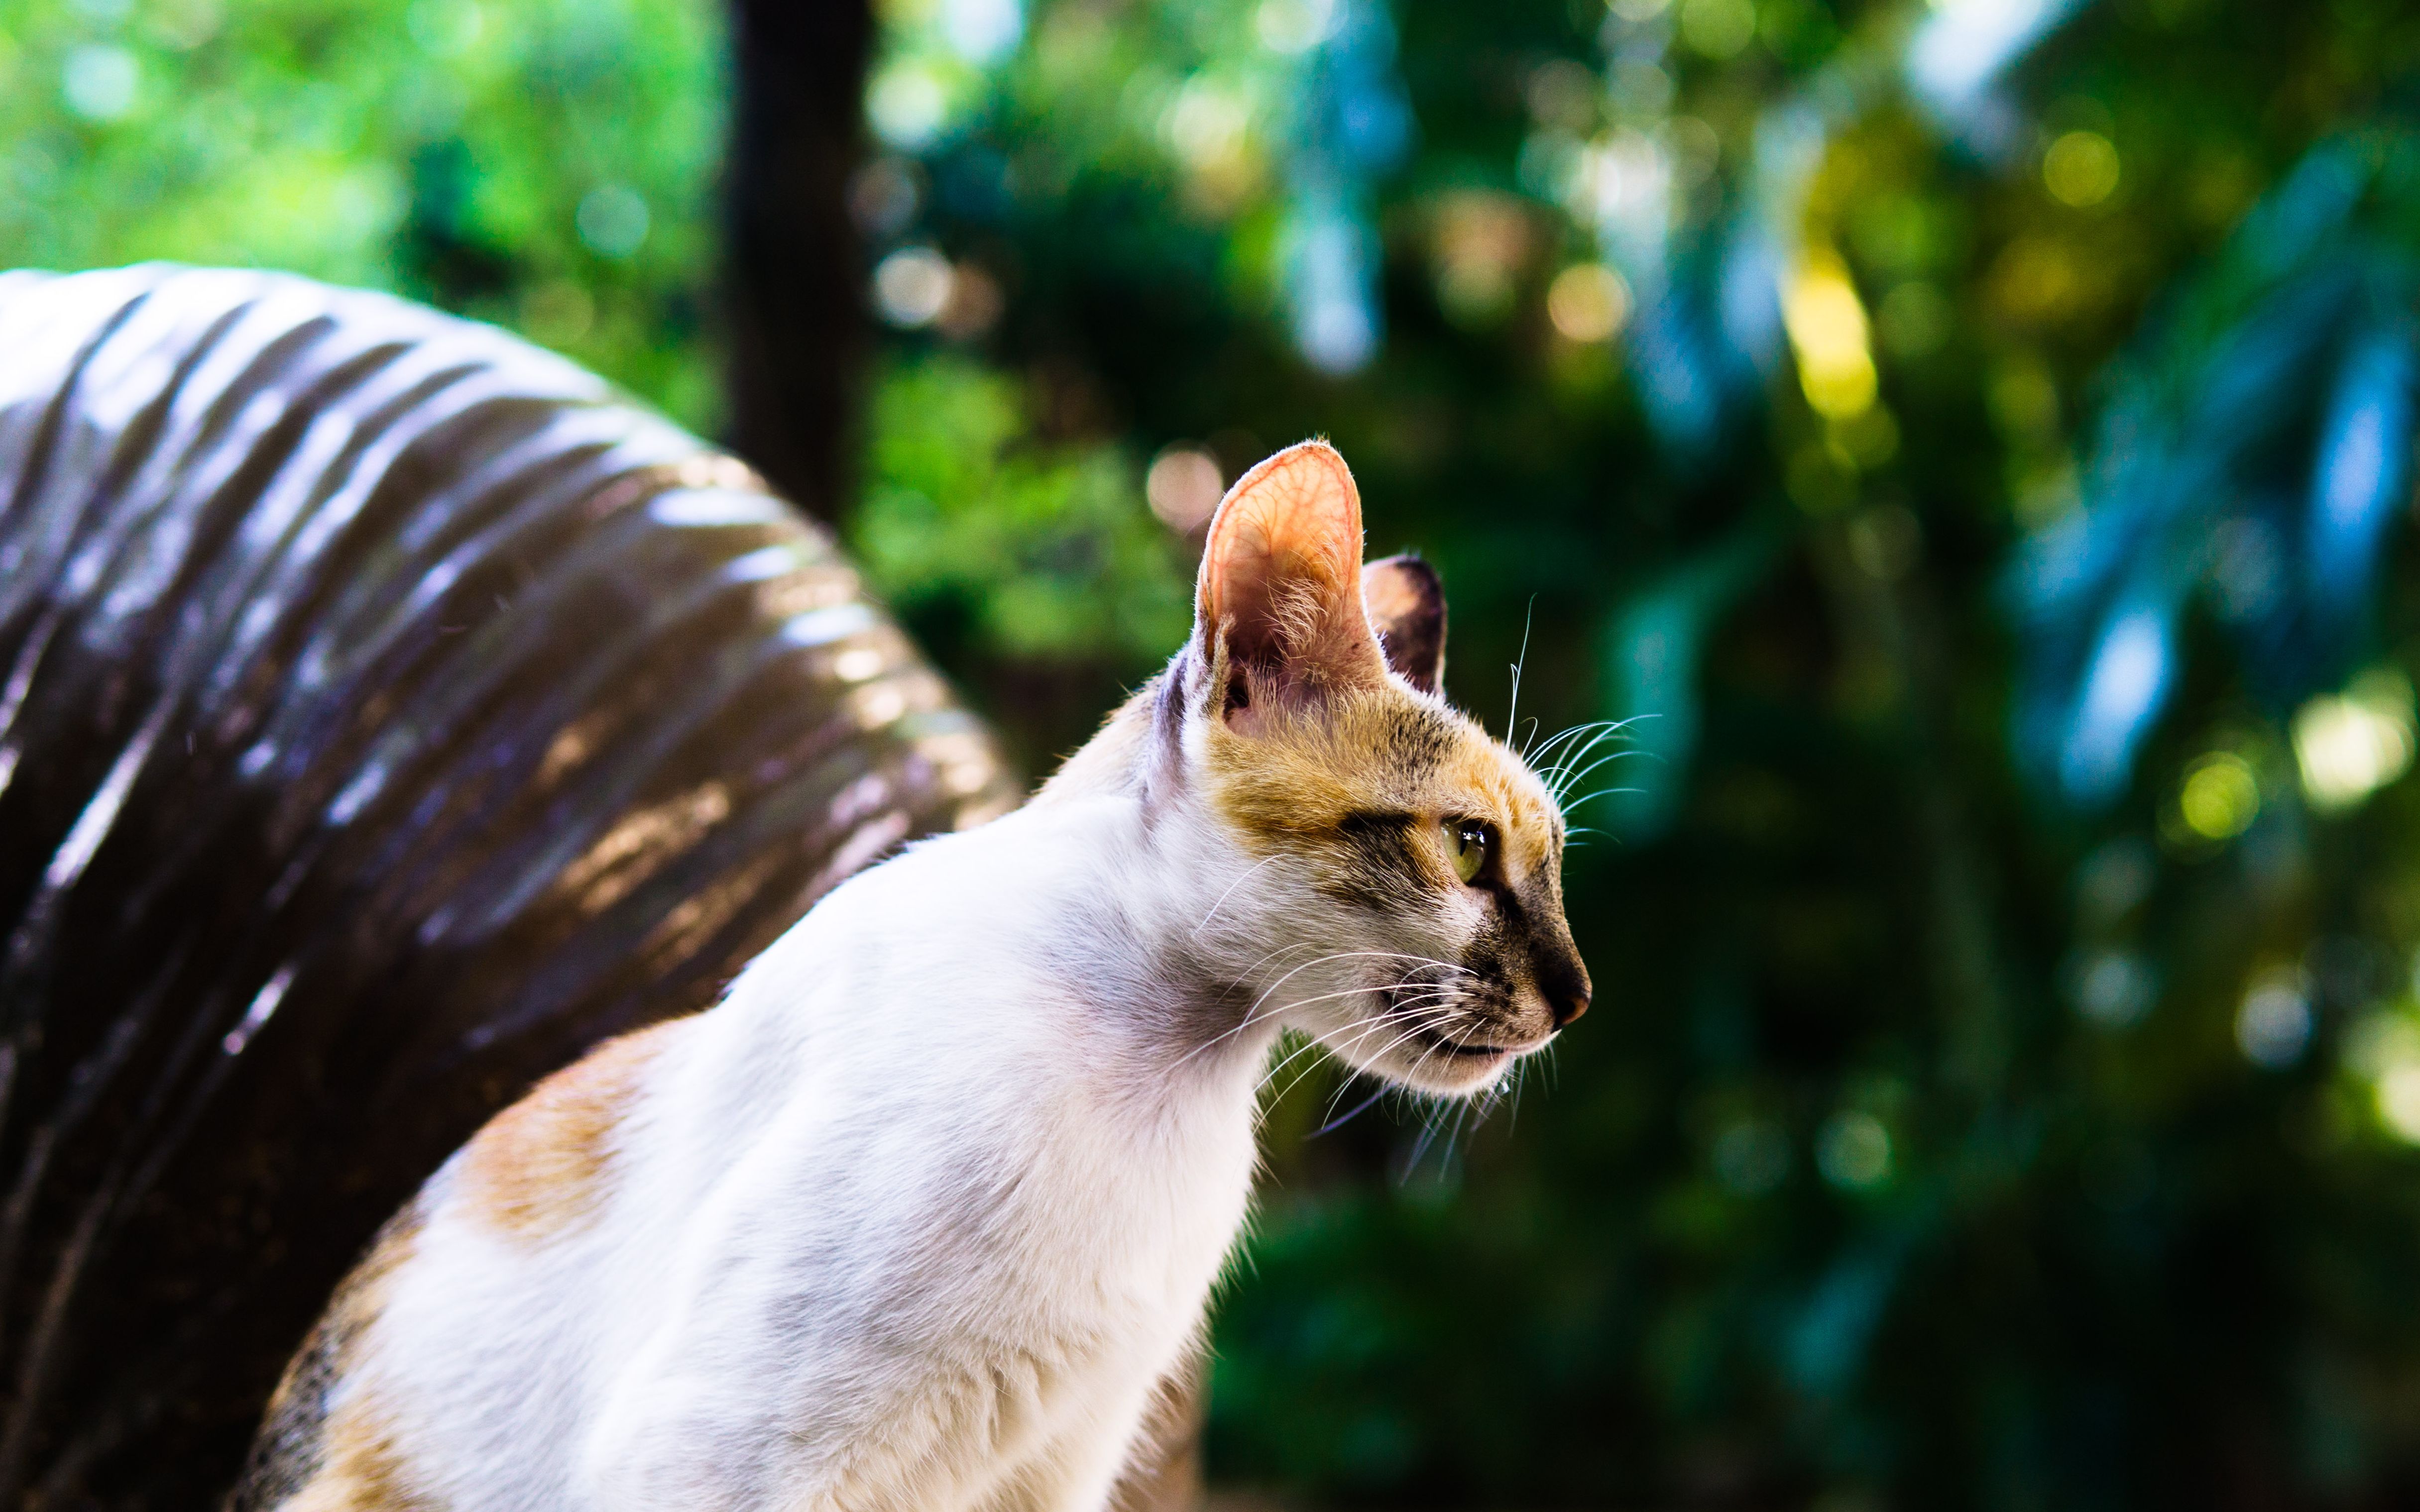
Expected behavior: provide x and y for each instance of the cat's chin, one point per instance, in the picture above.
(1458, 1071)
(1465, 1076)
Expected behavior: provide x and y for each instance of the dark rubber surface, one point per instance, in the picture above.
(387, 713)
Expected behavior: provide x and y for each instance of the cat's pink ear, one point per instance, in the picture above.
(1406, 602)
(1281, 585)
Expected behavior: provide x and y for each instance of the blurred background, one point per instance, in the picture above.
(1969, 442)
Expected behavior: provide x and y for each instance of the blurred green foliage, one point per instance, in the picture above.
(1017, 551)
(547, 166)
(1944, 1136)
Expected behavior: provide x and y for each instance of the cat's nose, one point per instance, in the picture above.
(1564, 984)
(1568, 1006)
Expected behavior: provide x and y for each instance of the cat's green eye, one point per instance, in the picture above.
(1468, 841)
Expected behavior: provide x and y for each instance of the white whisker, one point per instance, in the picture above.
(1601, 793)
(1250, 874)
(1563, 784)
(1253, 1015)
(1513, 710)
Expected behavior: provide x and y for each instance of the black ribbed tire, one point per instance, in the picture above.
(388, 712)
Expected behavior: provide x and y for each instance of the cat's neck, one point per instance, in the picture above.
(1143, 914)
(1113, 915)
(1138, 940)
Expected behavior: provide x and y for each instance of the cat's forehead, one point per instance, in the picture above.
(1388, 749)
(1495, 783)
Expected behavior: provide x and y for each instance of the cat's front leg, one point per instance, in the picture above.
(1079, 1469)
(708, 1442)
(1077, 1476)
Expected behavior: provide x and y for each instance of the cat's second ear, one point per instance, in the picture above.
(1406, 603)
(1281, 587)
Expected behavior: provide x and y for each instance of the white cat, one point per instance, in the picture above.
(921, 1215)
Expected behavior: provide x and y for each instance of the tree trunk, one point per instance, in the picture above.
(793, 300)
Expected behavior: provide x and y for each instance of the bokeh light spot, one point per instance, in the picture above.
(1718, 28)
(2399, 1101)
(1854, 1152)
(1638, 86)
(2081, 169)
(1183, 487)
(1208, 122)
(983, 31)
(1826, 323)
(2220, 798)
(1588, 301)
(2114, 990)
(907, 105)
(1562, 94)
(1751, 1157)
(1295, 25)
(1481, 241)
(974, 305)
(911, 287)
(613, 219)
(558, 313)
(100, 82)
(2273, 1026)
(2351, 746)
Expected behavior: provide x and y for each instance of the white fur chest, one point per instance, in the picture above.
(944, 1223)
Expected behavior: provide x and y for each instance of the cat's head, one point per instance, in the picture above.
(1407, 876)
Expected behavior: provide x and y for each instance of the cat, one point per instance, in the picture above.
(922, 1213)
